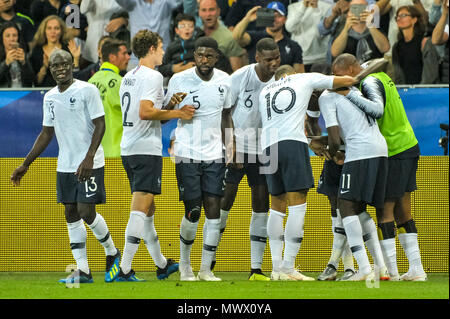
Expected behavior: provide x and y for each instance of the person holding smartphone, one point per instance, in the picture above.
(358, 38)
(15, 70)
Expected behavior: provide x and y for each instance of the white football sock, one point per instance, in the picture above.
(133, 235)
(370, 237)
(188, 231)
(293, 235)
(355, 241)
(275, 233)
(77, 239)
(410, 245)
(390, 255)
(223, 225)
(347, 257)
(152, 243)
(258, 239)
(101, 232)
(339, 240)
(210, 242)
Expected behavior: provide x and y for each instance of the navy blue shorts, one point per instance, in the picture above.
(144, 173)
(293, 167)
(329, 179)
(364, 181)
(402, 173)
(251, 168)
(196, 178)
(70, 191)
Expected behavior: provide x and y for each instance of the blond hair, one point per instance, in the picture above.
(41, 39)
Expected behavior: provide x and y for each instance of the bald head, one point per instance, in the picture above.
(284, 70)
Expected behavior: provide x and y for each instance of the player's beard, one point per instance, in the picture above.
(205, 71)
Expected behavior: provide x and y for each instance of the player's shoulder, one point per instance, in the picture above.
(328, 95)
(220, 75)
(243, 70)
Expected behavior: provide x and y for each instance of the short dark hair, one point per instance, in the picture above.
(183, 17)
(284, 69)
(268, 44)
(343, 62)
(111, 46)
(143, 41)
(207, 42)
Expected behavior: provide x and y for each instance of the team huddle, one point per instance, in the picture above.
(260, 122)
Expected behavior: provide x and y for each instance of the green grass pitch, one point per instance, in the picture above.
(234, 286)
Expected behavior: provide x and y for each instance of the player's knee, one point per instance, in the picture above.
(408, 227)
(193, 209)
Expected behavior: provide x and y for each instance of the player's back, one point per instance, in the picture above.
(139, 136)
(359, 131)
(283, 106)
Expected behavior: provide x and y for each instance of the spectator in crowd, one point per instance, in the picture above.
(209, 12)
(154, 15)
(98, 14)
(440, 37)
(435, 12)
(115, 58)
(40, 9)
(291, 52)
(51, 35)
(23, 6)
(180, 53)
(239, 9)
(86, 73)
(23, 22)
(333, 22)
(191, 7)
(15, 70)
(75, 29)
(358, 39)
(301, 22)
(424, 6)
(414, 57)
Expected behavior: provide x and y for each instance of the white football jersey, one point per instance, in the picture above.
(70, 113)
(245, 89)
(201, 137)
(141, 137)
(359, 132)
(283, 105)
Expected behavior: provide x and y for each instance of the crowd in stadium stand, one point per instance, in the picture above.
(411, 34)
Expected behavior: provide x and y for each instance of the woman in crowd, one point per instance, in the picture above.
(15, 70)
(51, 35)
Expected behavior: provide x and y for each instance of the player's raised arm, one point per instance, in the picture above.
(44, 138)
(343, 81)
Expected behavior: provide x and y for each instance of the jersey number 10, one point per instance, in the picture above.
(272, 105)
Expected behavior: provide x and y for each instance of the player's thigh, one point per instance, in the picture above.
(188, 176)
(144, 173)
(329, 179)
(213, 178)
(295, 166)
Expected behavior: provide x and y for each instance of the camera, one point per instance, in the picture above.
(265, 17)
(443, 141)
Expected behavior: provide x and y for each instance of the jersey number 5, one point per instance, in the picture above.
(271, 102)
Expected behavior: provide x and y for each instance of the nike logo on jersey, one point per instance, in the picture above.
(343, 192)
(246, 91)
(193, 91)
(89, 195)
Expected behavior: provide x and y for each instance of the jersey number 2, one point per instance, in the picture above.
(126, 96)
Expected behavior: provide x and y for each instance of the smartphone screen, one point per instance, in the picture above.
(357, 9)
(14, 45)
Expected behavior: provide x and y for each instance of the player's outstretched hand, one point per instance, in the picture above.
(84, 171)
(187, 112)
(17, 175)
